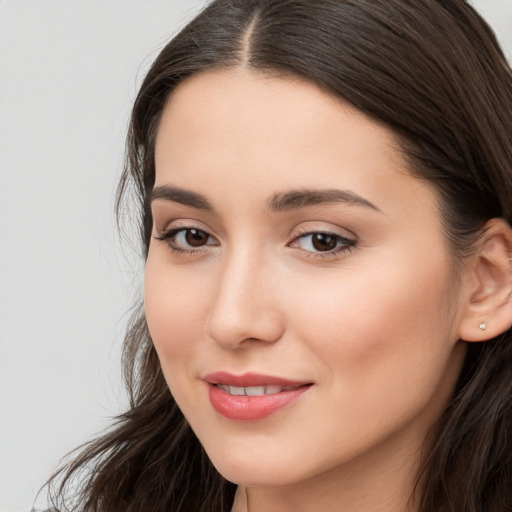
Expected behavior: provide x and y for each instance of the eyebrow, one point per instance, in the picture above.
(279, 202)
(311, 197)
(180, 195)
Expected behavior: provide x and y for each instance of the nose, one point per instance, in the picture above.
(245, 309)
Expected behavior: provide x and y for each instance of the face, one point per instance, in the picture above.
(299, 290)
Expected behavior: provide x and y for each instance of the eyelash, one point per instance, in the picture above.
(343, 244)
(168, 237)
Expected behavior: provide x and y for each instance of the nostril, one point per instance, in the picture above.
(243, 332)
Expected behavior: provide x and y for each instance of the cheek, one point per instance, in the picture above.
(385, 352)
(173, 306)
(388, 319)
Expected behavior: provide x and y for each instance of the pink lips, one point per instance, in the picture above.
(252, 396)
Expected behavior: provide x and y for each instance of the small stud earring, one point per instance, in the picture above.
(482, 326)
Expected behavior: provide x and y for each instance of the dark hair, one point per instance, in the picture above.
(433, 72)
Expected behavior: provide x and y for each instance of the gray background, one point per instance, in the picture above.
(69, 70)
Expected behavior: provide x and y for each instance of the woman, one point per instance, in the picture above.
(325, 193)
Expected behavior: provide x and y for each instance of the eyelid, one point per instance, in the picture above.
(173, 231)
(307, 228)
(166, 223)
(168, 234)
(324, 232)
(348, 243)
(311, 228)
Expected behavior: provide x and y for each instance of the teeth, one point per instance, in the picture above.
(234, 390)
(253, 390)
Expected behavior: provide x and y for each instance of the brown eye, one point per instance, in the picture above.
(187, 240)
(196, 237)
(319, 242)
(324, 241)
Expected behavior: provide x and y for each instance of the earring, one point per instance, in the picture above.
(482, 326)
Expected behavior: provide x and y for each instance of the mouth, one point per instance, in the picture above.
(252, 397)
(254, 390)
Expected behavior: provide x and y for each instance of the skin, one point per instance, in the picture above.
(373, 325)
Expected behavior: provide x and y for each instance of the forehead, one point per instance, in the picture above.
(251, 101)
(232, 129)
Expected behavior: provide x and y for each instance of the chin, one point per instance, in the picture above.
(258, 467)
(250, 476)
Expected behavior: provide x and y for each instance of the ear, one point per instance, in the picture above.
(488, 281)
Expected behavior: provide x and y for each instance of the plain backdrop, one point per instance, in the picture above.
(69, 71)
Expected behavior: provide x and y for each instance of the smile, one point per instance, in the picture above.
(252, 397)
(254, 390)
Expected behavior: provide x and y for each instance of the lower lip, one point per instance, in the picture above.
(251, 408)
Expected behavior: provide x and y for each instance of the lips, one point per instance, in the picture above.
(252, 397)
(254, 390)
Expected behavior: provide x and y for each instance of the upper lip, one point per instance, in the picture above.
(251, 379)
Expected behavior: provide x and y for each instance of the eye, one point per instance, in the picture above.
(323, 242)
(192, 237)
(187, 239)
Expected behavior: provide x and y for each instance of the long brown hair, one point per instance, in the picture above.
(433, 72)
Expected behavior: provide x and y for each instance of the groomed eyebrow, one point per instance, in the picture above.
(179, 195)
(311, 197)
(277, 203)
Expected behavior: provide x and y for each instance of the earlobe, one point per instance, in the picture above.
(488, 309)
